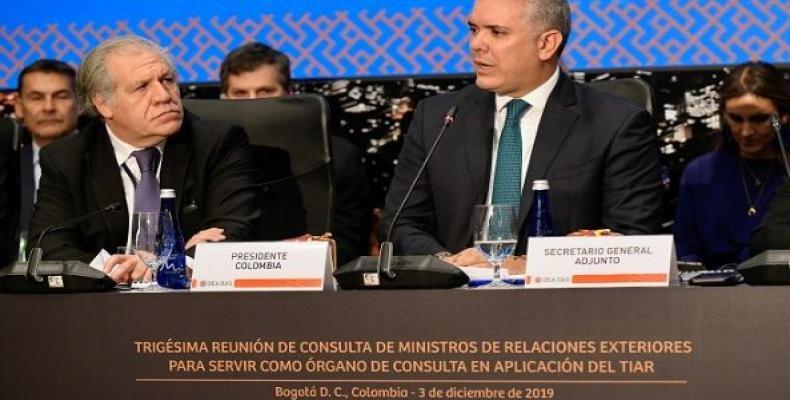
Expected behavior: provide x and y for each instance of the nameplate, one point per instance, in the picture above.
(608, 261)
(261, 266)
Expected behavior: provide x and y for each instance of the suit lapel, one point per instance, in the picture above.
(27, 184)
(178, 154)
(478, 128)
(105, 180)
(555, 125)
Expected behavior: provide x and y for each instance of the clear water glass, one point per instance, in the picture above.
(495, 234)
(146, 239)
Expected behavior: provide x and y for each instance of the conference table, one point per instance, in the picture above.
(627, 343)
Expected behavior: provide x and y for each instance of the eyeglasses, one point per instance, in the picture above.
(756, 119)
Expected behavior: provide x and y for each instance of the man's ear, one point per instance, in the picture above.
(18, 111)
(549, 44)
(102, 105)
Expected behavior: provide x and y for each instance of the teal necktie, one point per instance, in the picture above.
(507, 178)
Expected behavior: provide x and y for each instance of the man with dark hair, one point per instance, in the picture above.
(144, 141)
(47, 103)
(524, 120)
(255, 70)
(47, 109)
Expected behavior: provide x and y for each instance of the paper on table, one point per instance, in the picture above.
(483, 274)
(103, 256)
(99, 260)
(479, 273)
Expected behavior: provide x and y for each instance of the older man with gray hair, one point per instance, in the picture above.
(143, 141)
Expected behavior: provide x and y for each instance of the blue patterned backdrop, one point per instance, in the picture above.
(387, 37)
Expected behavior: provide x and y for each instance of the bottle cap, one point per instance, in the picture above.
(540, 184)
(167, 193)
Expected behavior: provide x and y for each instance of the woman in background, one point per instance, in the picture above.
(723, 195)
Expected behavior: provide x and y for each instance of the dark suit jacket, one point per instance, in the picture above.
(598, 152)
(208, 164)
(774, 232)
(27, 183)
(281, 200)
(9, 191)
(352, 206)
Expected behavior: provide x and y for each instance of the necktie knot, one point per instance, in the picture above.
(147, 159)
(515, 108)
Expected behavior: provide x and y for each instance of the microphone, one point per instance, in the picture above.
(390, 272)
(37, 252)
(67, 276)
(776, 123)
(385, 255)
(771, 267)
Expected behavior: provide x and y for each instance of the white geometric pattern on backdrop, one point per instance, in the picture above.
(414, 40)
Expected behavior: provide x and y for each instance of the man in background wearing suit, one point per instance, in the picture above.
(598, 152)
(130, 84)
(47, 108)
(257, 71)
(7, 244)
(774, 232)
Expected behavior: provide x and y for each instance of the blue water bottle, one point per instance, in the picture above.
(173, 271)
(539, 218)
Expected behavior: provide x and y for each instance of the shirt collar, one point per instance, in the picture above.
(537, 98)
(124, 150)
(36, 148)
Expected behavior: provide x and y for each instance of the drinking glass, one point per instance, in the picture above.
(149, 244)
(165, 241)
(495, 234)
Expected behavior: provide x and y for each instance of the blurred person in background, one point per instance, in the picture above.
(47, 109)
(7, 244)
(43, 109)
(257, 71)
(724, 194)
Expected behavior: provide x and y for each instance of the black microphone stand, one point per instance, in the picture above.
(384, 267)
(36, 276)
(37, 252)
(777, 125)
(388, 272)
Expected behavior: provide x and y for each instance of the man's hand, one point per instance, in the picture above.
(595, 232)
(206, 235)
(124, 268)
(515, 265)
(465, 258)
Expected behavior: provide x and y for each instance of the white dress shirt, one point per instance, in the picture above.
(36, 170)
(529, 126)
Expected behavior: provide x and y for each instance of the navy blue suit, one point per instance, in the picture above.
(599, 153)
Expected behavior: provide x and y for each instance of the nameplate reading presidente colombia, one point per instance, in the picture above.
(609, 261)
(260, 266)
